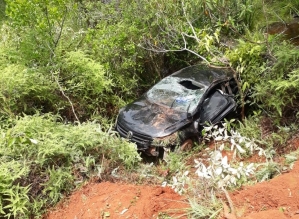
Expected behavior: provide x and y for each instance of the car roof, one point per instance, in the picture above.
(203, 74)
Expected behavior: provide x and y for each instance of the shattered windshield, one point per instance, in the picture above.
(176, 93)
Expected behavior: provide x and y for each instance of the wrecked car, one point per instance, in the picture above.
(172, 113)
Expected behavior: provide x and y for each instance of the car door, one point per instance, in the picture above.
(216, 106)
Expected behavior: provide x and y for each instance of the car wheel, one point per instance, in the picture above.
(186, 145)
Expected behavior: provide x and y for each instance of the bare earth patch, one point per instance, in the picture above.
(115, 200)
(274, 199)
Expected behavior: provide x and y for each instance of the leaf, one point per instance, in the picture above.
(218, 170)
(245, 86)
(221, 147)
(224, 162)
(33, 141)
(218, 138)
(240, 149)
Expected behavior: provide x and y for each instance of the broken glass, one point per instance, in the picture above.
(176, 93)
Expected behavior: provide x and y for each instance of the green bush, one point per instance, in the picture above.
(24, 90)
(14, 200)
(277, 90)
(86, 82)
(42, 160)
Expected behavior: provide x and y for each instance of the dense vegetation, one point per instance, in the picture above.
(67, 66)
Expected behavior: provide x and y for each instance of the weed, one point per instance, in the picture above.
(208, 209)
(267, 171)
(292, 157)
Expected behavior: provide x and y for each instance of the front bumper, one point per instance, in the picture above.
(146, 143)
(142, 141)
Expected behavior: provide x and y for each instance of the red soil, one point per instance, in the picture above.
(274, 199)
(114, 200)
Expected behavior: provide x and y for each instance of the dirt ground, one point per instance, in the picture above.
(114, 200)
(274, 199)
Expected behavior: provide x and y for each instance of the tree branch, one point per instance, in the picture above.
(68, 99)
(61, 28)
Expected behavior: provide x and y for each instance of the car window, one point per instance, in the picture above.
(177, 93)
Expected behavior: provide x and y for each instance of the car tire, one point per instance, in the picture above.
(186, 145)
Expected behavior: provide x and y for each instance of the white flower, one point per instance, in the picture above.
(233, 180)
(241, 139)
(175, 180)
(218, 156)
(209, 128)
(226, 136)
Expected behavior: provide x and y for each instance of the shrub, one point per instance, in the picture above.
(25, 90)
(85, 81)
(42, 160)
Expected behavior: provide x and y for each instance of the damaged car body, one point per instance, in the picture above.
(173, 112)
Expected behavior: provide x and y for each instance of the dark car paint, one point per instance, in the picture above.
(143, 121)
(216, 107)
(149, 118)
(203, 74)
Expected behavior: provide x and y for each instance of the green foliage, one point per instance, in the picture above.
(41, 159)
(17, 201)
(41, 25)
(86, 80)
(275, 10)
(196, 27)
(265, 133)
(41, 13)
(267, 171)
(94, 57)
(92, 66)
(24, 90)
(247, 58)
(205, 209)
(291, 158)
(2, 11)
(114, 47)
(14, 200)
(175, 162)
(252, 129)
(277, 91)
(60, 182)
(236, 15)
(88, 76)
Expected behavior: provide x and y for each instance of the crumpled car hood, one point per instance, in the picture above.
(151, 119)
